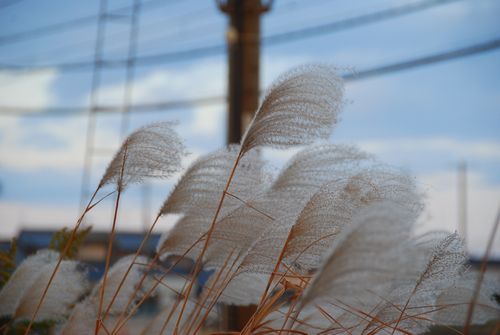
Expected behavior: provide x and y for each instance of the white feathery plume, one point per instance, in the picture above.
(434, 262)
(198, 193)
(157, 325)
(300, 107)
(363, 258)
(152, 151)
(67, 287)
(453, 302)
(22, 279)
(300, 179)
(182, 238)
(323, 217)
(115, 275)
(244, 288)
(82, 320)
(201, 186)
(439, 266)
(333, 207)
(312, 320)
(83, 317)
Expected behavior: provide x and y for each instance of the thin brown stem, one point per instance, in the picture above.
(209, 291)
(482, 271)
(108, 261)
(119, 324)
(226, 281)
(137, 253)
(249, 205)
(199, 261)
(110, 245)
(61, 257)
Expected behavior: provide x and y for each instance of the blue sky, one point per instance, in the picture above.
(424, 120)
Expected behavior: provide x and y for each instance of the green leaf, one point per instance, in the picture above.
(62, 237)
(8, 262)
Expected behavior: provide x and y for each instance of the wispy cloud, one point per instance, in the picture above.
(33, 90)
(466, 149)
(441, 190)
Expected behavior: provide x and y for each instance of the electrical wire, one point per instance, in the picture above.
(378, 71)
(63, 26)
(217, 49)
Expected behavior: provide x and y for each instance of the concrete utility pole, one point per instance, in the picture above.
(462, 200)
(243, 38)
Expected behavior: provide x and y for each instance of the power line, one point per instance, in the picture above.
(353, 22)
(427, 60)
(8, 3)
(59, 27)
(146, 107)
(217, 49)
(116, 37)
(214, 100)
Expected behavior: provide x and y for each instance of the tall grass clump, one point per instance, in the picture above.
(328, 246)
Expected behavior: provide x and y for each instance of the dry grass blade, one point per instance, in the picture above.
(300, 107)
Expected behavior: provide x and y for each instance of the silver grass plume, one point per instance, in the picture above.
(152, 151)
(300, 107)
(312, 321)
(160, 326)
(335, 204)
(453, 302)
(115, 275)
(200, 187)
(244, 289)
(307, 171)
(199, 191)
(363, 258)
(82, 319)
(22, 279)
(67, 287)
(434, 262)
(164, 322)
(324, 216)
(312, 233)
(315, 319)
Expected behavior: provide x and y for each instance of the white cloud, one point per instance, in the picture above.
(32, 90)
(22, 148)
(470, 149)
(199, 80)
(208, 120)
(442, 208)
(19, 147)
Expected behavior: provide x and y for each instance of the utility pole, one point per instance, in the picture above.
(462, 200)
(243, 38)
